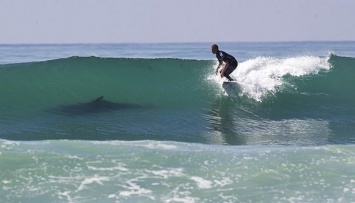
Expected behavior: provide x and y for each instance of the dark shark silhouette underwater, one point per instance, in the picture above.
(96, 106)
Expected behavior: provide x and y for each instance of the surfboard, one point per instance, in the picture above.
(232, 88)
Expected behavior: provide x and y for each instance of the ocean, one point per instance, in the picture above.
(153, 123)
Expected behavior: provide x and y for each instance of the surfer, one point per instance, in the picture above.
(230, 62)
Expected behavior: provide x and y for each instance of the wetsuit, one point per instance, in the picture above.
(233, 63)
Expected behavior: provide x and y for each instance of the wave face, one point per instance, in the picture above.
(299, 100)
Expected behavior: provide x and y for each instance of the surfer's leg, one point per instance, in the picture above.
(228, 71)
(228, 77)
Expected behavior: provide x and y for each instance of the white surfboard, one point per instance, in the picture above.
(232, 88)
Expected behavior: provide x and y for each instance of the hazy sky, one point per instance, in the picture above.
(118, 21)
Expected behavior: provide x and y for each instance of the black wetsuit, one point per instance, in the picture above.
(227, 58)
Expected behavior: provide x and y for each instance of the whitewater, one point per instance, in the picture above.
(170, 131)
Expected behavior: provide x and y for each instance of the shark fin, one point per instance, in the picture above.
(99, 99)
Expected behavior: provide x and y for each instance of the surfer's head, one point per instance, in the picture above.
(214, 48)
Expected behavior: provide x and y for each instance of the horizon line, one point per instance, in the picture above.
(222, 42)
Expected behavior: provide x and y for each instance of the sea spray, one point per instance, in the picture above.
(262, 76)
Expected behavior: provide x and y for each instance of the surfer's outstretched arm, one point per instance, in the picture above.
(219, 65)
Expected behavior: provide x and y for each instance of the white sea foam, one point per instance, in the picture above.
(66, 195)
(115, 168)
(158, 145)
(6, 181)
(133, 188)
(7, 144)
(95, 179)
(174, 172)
(202, 183)
(182, 200)
(225, 181)
(262, 75)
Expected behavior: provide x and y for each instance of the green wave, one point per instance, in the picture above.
(182, 100)
(158, 82)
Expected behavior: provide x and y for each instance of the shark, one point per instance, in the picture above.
(97, 105)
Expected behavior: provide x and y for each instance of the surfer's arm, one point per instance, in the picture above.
(219, 65)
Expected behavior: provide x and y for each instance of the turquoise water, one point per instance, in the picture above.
(151, 171)
(169, 131)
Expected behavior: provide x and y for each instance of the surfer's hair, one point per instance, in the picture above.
(215, 46)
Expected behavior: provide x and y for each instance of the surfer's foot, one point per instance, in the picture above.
(229, 78)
